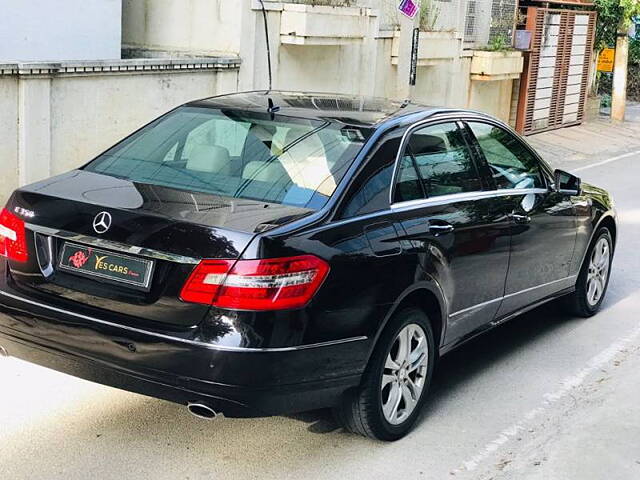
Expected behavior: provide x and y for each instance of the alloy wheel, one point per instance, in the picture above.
(598, 271)
(404, 374)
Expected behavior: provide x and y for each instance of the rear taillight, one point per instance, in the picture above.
(13, 238)
(268, 284)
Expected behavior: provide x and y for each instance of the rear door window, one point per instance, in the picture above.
(436, 162)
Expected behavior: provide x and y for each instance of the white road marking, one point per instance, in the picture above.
(567, 385)
(608, 160)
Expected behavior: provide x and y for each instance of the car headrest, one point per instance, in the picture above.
(311, 146)
(209, 159)
(270, 172)
(262, 132)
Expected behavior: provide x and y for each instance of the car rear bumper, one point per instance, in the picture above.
(236, 382)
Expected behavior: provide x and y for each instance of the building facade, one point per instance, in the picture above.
(62, 105)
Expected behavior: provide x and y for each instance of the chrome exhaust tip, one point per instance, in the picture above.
(3, 352)
(202, 411)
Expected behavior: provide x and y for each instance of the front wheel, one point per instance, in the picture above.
(593, 279)
(395, 383)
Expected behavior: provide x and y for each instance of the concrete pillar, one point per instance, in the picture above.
(619, 91)
(369, 59)
(249, 22)
(492, 97)
(34, 129)
(403, 89)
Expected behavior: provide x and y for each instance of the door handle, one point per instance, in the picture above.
(520, 218)
(440, 228)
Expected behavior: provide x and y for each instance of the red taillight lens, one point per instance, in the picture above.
(269, 284)
(205, 281)
(13, 238)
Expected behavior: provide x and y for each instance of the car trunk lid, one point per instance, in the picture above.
(90, 233)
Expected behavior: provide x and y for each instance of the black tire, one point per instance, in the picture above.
(361, 410)
(577, 302)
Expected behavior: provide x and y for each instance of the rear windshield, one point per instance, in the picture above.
(252, 155)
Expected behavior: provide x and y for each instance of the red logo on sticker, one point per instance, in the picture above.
(78, 259)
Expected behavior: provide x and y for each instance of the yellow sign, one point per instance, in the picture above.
(605, 60)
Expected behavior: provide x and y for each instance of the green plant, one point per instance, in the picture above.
(500, 32)
(429, 14)
(499, 43)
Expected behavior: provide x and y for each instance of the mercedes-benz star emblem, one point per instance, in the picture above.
(102, 222)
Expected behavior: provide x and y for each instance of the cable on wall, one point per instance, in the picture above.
(266, 35)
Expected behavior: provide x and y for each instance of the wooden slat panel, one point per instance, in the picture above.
(554, 85)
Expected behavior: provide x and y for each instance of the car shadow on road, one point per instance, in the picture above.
(481, 353)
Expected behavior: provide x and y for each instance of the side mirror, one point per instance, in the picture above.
(566, 183)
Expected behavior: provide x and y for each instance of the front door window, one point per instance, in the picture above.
(512, 165)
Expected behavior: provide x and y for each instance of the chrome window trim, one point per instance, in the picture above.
(170, 338)
(509, 295)
(460, 118)
(425, 202)
(466, 196)
(111, 245)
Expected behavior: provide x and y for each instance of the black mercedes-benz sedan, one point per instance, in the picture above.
(265, 253)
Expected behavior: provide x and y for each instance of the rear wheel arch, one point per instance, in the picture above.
(430, 301)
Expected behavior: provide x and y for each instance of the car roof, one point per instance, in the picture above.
(354, 110)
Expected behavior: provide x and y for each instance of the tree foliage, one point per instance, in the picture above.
(609, 15)
(630, 10)
(614, 16)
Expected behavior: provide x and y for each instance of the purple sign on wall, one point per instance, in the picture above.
(409, 7)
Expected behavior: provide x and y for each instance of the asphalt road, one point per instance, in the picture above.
(543, 397)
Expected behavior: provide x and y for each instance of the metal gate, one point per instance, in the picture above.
(554, 83)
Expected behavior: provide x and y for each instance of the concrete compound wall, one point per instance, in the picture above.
(54, 122)
(8, 135)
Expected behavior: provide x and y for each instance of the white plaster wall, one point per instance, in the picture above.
(493, 97)
(91, 113)
(196, 27)
(444, 85)
(321, 68)
(8, 136)
(362, 67)
(384, 74)
(48, 30)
